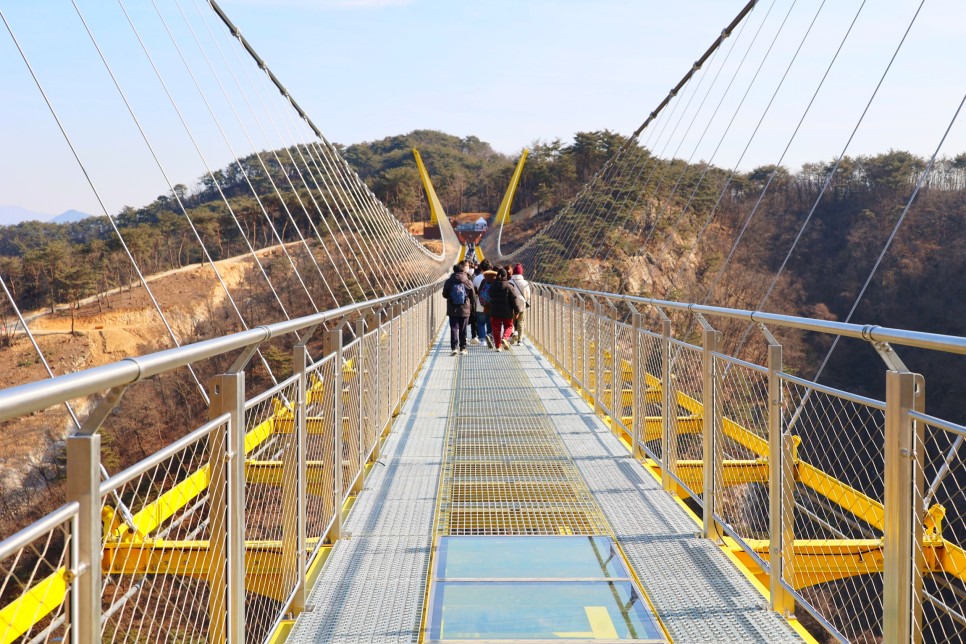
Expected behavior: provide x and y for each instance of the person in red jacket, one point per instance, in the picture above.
(505, 303)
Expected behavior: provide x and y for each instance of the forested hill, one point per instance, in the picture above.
(469, 176)
(46, 264)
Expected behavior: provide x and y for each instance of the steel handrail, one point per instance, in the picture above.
(867, 332)
(38, 528)
(28, 398)
(121, 479)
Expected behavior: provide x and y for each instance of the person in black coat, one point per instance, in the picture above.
(505, 302)
(460, 302)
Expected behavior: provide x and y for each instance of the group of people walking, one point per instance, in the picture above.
(495, 298)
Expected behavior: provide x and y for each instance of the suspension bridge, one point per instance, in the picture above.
(637, 468)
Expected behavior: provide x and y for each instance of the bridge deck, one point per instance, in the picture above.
(373, 586)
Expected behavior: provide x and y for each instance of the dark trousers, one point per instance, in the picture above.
(482, 325)
(457, 332)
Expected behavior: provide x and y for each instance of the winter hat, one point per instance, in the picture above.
(518, 269)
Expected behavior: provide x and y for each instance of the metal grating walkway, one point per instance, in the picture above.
(695, 589)
(505, 469)
(537, 439)
(372, 586)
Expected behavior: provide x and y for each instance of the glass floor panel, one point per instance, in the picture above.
(589, 610)
(535, 588)
(528, 558)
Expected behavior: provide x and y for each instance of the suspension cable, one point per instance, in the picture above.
(268, 219)
(231, 105)
(100, 201)
(667, 167)
(708, 163)
(761, 119)
(653, 115)
(318, 209)
(838, 161)
(892, 235)
(164, 174)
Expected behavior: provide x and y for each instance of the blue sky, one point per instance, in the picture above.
(508, 72)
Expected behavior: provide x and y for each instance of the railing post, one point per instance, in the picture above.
(538, 311)
(551, 303)
(616, 371)
(536, 317)
(902, 532)
(392, 362)
(400, 332)
(669, 411)
(294, 485)
(598, 356)
(781, 517)
(434, 324)
(361, 369)
(585, 349)
(333, 345)
(374, 322)
(638, 383)
(226, 498)
(575, 301)
(83, 486)
(712, 428)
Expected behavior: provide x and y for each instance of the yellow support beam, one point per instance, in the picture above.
(819, 561)
(271, 472)
(436, 211)
(264, 564)
(653, 425)
(846, 497)
(503, 212)
(20, 615)
(734, 472)
(182, 494)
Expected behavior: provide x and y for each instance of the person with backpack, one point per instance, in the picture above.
(505, 302)
(482, 318)
(460, 300)
(472, 272)
(523, 288)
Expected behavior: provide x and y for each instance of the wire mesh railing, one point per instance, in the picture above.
(212, 537)
(37, 581)
(157, 554)
(939, 558)
(850, 509)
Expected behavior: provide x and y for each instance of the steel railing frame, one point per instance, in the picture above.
(31, 397)
(398, 330)
(566, 316)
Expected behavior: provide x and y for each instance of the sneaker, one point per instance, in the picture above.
(463, 352)
(475, 341)
(489, 341)
(454, 352)
(501, 347)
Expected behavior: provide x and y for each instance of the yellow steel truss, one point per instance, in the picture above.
(817, 561)
(503, 212)
(132, 551)
(435, 207)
